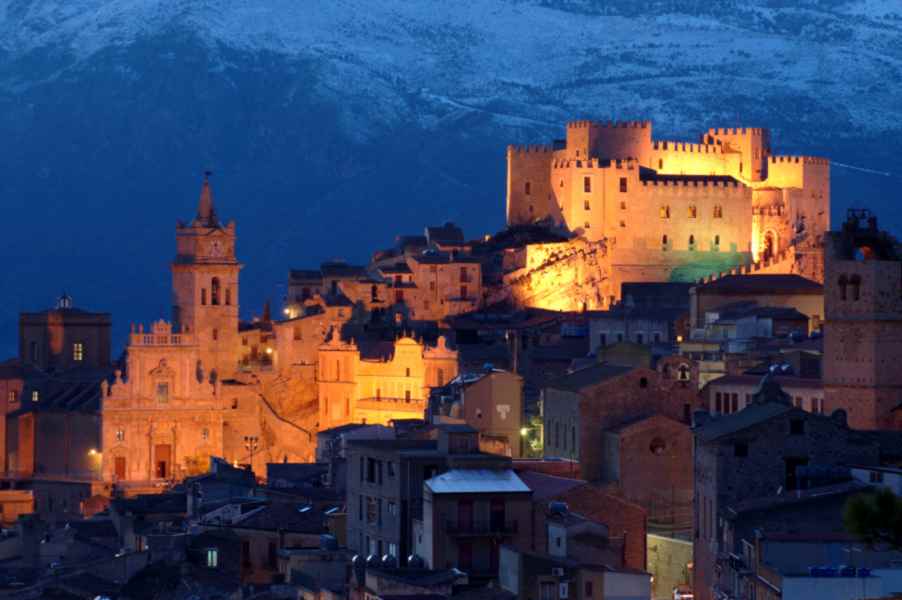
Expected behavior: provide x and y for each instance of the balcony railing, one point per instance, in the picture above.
(481, 527)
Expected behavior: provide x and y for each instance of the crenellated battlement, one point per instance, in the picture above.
(736, 131)
(530, 149)
(750, 268)
(687, 147)
(718, 185)
(608, 124)
(808, 160)
(595, 163)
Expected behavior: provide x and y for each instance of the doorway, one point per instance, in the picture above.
(163, 460)
(119, 468)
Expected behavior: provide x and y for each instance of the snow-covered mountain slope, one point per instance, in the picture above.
(333, 125)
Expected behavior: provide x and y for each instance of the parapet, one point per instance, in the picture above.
(687, 147)
(808, 160)
(736, 131)
(609, 124)
(532, 149)
(595, 163)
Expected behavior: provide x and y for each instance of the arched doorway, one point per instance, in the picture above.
(769, 248)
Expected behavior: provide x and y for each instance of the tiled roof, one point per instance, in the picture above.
(583, 378)
(546, 487)
(762, 284)
(799, 497)
(754, 380)
(476, 481)
(750, 416)
(286, 516)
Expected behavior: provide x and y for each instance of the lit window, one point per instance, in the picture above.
(163, 392)
(212, 558)
(664, 211)
(35, 396)
(120, 435)
(205, 434)
(78, 351)
(13, 396)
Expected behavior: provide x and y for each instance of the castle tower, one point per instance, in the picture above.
(863, 327)
(205, 286)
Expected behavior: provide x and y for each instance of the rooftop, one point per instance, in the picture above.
(762, 284)
(750, 416)
(583, 378)
(476, 481)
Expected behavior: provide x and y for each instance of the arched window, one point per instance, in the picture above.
(693, 211)
(664, 241)
(855, 284)
(691, 242)
(214, 291)
(843, 283)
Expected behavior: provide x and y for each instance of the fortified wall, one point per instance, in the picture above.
(670, 210)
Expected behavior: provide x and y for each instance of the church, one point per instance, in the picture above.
(182, 398)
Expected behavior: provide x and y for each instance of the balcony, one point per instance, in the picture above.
(480, 527)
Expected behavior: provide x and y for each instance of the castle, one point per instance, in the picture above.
(655, 210)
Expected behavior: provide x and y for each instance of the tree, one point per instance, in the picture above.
(875, 518)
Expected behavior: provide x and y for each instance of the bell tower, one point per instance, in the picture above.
(205, 287)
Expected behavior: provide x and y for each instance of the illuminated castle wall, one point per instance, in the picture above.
(670, 210)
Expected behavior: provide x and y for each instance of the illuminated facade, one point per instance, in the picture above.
(390, 383)
(664, 210)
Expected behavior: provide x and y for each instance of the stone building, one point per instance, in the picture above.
(863, 329)
(732, 393)
(577, 408)
(375, 383)
(759, 452)
(666, 210)
(180, 399)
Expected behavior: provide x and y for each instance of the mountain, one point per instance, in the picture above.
(333, 125)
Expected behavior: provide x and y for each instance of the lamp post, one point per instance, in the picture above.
(250, 444)
(95, 457)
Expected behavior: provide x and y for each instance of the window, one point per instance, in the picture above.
(212, 558)
(664, 242)
(371, 515)
(163, 392)
(843, 283)
(392, 507)
(855, 284)
(12, 396)
(407, 396)
(692, 242)
(623, 185)
(586, 204)
(741, 449)
(228, 297)
(120, 435)
(643, 382)
(431, 286)
(717, 240)
(664, 211)
(640, 339)
(393, 550)
(463, 292)
(205, 434)
(718, 402)
(660, 163)
(296, 334)
(692, 212)
(548, 591)
(78, 351)
(734, 399)
(657, 446)
(588, 590)
(622, 205)
(35, 355)
(440, 377)
(796, 427)
(35, 396)
(464, 276)
(215, 334)
(876, 477)
(587, 184)
(718, 212)
(623, 224)
(407, 372)
(527, 188)
(203, 296)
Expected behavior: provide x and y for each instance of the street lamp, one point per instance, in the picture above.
(250, 444)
